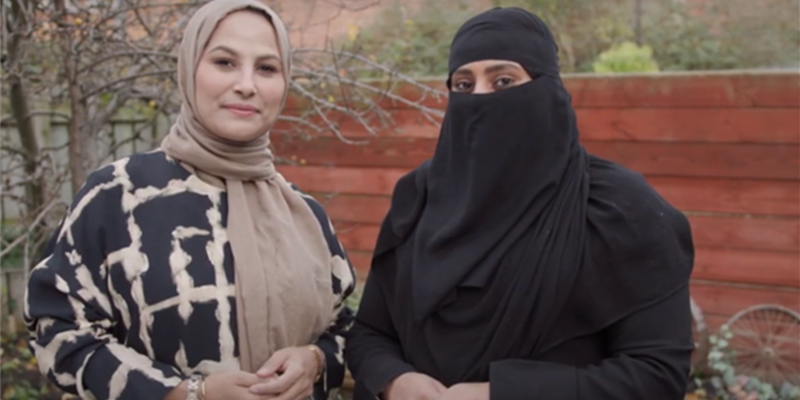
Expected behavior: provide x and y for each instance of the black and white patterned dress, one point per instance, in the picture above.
(137, 289)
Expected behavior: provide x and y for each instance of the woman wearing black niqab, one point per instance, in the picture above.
(514, 265)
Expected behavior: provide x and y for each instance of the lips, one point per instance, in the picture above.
(241, 109)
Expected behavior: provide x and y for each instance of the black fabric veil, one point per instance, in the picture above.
(537, 240)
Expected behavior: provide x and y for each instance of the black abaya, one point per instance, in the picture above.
(516, 258)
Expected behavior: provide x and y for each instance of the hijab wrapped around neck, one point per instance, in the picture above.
(280, 257)
(512, 238)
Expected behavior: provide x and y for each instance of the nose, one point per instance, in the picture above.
(245, 85)
(483, 86)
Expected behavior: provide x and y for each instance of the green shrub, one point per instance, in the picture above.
(21, 377)
(719, 35)
(758, 34)
(14, 259)
(681, 41)
(626, 57)
(581, 28)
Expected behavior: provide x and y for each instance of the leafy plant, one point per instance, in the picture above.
(759, 34)
(21, 377)
(581, 28)
(14, 258)
(682, 41)
(626, 57)
(729, 385)
(714, 35)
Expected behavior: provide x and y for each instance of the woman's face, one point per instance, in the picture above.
(239, 82)
(487, 76)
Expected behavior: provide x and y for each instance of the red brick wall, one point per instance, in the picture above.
(723, 147)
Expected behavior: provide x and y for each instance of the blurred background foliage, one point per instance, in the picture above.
(682, 35)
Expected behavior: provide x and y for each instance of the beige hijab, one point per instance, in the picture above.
(281, 259)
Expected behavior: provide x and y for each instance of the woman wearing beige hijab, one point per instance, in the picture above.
(196, 271)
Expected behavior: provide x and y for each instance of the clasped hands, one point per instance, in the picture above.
(288, 375)
(416, 386)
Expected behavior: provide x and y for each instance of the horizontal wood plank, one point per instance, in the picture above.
(368, 181)
(740, 125)
(714, 322)
(380, 152)
(718, 160)
(357, 237)
(711, 89)
(724, 299)
(772, 268)
(746, 233)
(737, 196)
(746, 125)
(355, 209)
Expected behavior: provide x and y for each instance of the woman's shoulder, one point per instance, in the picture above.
(626, 188)
(606, 174)
(152, 169)
(624, 200)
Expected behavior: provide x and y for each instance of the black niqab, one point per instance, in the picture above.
(508, 176)
(512, 239)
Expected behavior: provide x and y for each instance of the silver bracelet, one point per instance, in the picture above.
(194, 387)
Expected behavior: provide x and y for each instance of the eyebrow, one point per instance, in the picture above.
(490, 69)
(231, 51)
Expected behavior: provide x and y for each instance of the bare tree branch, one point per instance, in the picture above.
(351, 5)
(96, 63)
(111, 85)
(30, 228)
(34, 113)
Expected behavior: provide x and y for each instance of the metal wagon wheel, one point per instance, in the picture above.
(766, 343)
(700, 335)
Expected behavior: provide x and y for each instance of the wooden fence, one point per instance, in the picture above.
(722, 147)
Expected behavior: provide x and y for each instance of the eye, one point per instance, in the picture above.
(503, 81)
(463, 86)
(268, 68)
(223, 62)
